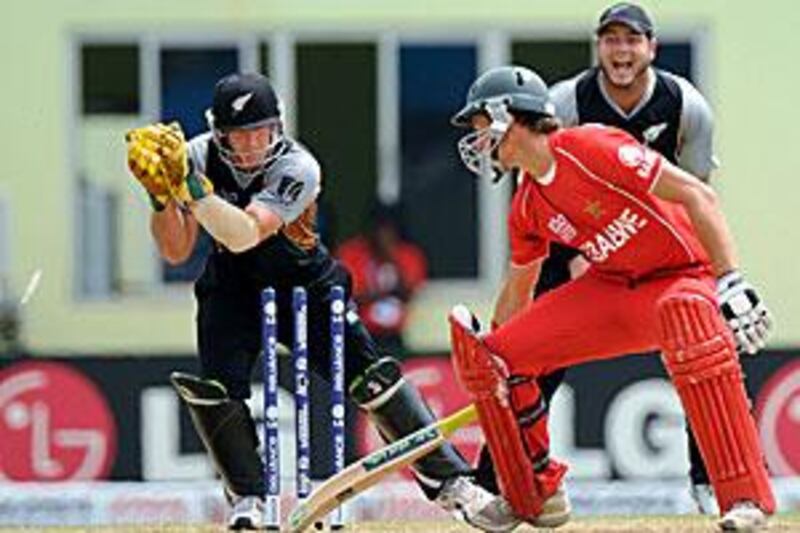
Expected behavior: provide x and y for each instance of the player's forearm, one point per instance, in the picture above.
(236, 229)
(174, 232)
(516, 292)
(712, 230)
(507, 305)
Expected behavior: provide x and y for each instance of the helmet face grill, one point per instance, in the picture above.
(245, 102)
(247, 163)
(479, 149)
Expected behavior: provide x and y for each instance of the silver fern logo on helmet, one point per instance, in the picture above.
(238, 103)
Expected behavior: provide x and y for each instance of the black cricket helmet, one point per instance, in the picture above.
(498, 93)
(245, 101)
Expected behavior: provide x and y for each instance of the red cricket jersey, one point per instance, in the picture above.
(597, 199)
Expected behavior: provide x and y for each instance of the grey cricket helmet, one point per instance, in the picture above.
(498, 93)
(518, 88)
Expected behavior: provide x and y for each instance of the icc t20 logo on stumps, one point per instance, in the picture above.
(779, 420)
(54, 425)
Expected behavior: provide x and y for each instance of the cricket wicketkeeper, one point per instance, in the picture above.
(254, 190)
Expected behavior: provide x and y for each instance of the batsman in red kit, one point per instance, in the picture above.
(663, 275)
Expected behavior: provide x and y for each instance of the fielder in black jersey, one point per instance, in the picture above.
(261, 217)
(663, 111)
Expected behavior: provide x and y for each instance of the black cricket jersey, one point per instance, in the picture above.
(655, 122)
(673, 118)
(288, 186)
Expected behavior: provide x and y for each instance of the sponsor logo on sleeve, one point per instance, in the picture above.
(638, 157)
(289, 190)
(561, 226)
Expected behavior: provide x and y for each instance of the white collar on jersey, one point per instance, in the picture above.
(546, 178)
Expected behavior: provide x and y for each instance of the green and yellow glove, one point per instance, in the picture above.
(158, 158)
(185, 184)
(144, 162)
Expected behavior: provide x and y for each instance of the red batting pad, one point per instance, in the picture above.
(700, 356)
(481, 376)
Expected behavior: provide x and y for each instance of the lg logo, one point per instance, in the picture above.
(54, 425)
(779, 421)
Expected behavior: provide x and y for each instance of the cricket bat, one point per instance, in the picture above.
(368, 471)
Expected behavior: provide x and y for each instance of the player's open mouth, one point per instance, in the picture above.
(622, 67)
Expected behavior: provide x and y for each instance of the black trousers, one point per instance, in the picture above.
(229, 331)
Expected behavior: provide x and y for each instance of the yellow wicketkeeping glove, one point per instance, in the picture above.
(144, 163)
(185, 184)
(158, 157)
(173, 150)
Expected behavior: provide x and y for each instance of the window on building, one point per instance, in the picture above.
(437, 191)
(188, 76)
(107, 97)
(336, 117)
(264, 58)
(109, 78)
(98, 210)
(676, 57)
(553, 60)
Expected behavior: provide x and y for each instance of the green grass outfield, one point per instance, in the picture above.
(610, 524)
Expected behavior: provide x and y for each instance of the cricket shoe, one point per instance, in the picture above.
(555, 511)
(247, 514)
(476, 506)
(745, 517)
(704, 499)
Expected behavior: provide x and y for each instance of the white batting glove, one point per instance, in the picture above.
(747, 316)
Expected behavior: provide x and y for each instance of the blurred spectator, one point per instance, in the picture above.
(387, 272)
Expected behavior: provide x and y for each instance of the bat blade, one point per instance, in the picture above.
(376, 466)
